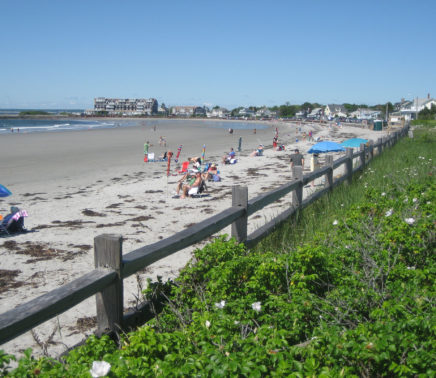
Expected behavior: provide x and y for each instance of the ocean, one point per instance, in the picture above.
(38, 125)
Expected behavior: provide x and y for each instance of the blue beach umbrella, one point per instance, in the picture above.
(354, 142)
(4, 192)
(325, 146)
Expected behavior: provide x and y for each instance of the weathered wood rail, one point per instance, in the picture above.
(111, 267)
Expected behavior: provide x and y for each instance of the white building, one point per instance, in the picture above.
(412, 108)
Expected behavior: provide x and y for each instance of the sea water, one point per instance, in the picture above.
(39, 124)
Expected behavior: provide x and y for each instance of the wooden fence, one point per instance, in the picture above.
(111, 267)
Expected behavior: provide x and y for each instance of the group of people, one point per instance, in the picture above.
(191, 182)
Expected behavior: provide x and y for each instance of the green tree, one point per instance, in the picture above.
(427, 114)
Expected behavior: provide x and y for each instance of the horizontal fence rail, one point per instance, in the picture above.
(106, 281)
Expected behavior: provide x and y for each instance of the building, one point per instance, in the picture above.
(410, 109)
(128, 106)
(316, 113)
(365, 113)
(188, 111)
(218, 113)
(333, 111)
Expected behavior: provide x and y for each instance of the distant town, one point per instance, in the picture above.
(405, 110)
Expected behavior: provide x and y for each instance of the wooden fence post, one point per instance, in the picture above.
(329, 176)
(371, 150)
(239, 227)
(349, 165)
(107, 254)
(380, 146)
(297, 194)
(362, 156)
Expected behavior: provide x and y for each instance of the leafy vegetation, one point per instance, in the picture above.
(33, 113)
(346, 288)
(427, 114)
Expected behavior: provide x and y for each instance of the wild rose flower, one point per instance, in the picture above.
(409, 220)
(100, 368)
(207, 323)
(414, 200)
(335, 222)
(256, 306)
(220, 304)
(383, 194)
(389, 212)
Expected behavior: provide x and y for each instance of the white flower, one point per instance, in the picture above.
(411, 268)
(414, 200)
(100, 368)
(383, 194)
(389, 212)
(220, 304)
(207, 323)
(335, 222)
(409, 220)
(256, 306)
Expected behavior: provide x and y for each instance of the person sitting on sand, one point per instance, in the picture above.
(187, 179)
(211, 172)
(258, 152)
(227, 159)
(192, 189)
(14, 221)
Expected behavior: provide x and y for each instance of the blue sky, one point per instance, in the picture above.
(62, 54)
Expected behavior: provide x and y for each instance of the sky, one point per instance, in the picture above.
(64, 53)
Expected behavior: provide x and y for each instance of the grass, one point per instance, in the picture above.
(392, 165)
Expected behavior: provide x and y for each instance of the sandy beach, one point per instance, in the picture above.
(80, 184)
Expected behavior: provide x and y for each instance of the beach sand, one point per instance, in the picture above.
(80, 184)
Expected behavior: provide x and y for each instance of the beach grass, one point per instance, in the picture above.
(391, 166)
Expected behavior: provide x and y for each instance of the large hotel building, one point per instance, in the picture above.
(139, 106)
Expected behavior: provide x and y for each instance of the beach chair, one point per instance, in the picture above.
(185, 166)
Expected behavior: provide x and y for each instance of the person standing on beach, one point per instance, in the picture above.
(297, 159)
(146, 146)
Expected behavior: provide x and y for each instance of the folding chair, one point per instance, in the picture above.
(185, 166)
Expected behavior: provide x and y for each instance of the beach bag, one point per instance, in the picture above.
(216, 178)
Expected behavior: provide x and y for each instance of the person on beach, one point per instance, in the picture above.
(275, 141)
(230, 131)
(146, 147)
(227, 159)
(258, 152)
(297, 159)
(14, 221)
(211, 173)
(191, 189)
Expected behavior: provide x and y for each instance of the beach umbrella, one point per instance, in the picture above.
(203, 153)
(325, 146)
(4, 192)
(178, 153)
(354, 142)
(169, 156)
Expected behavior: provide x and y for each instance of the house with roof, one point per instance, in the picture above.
(333, 111)
(411, 109)
(246, 112)
(316, 113)
(365, 113)
(218, 113)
